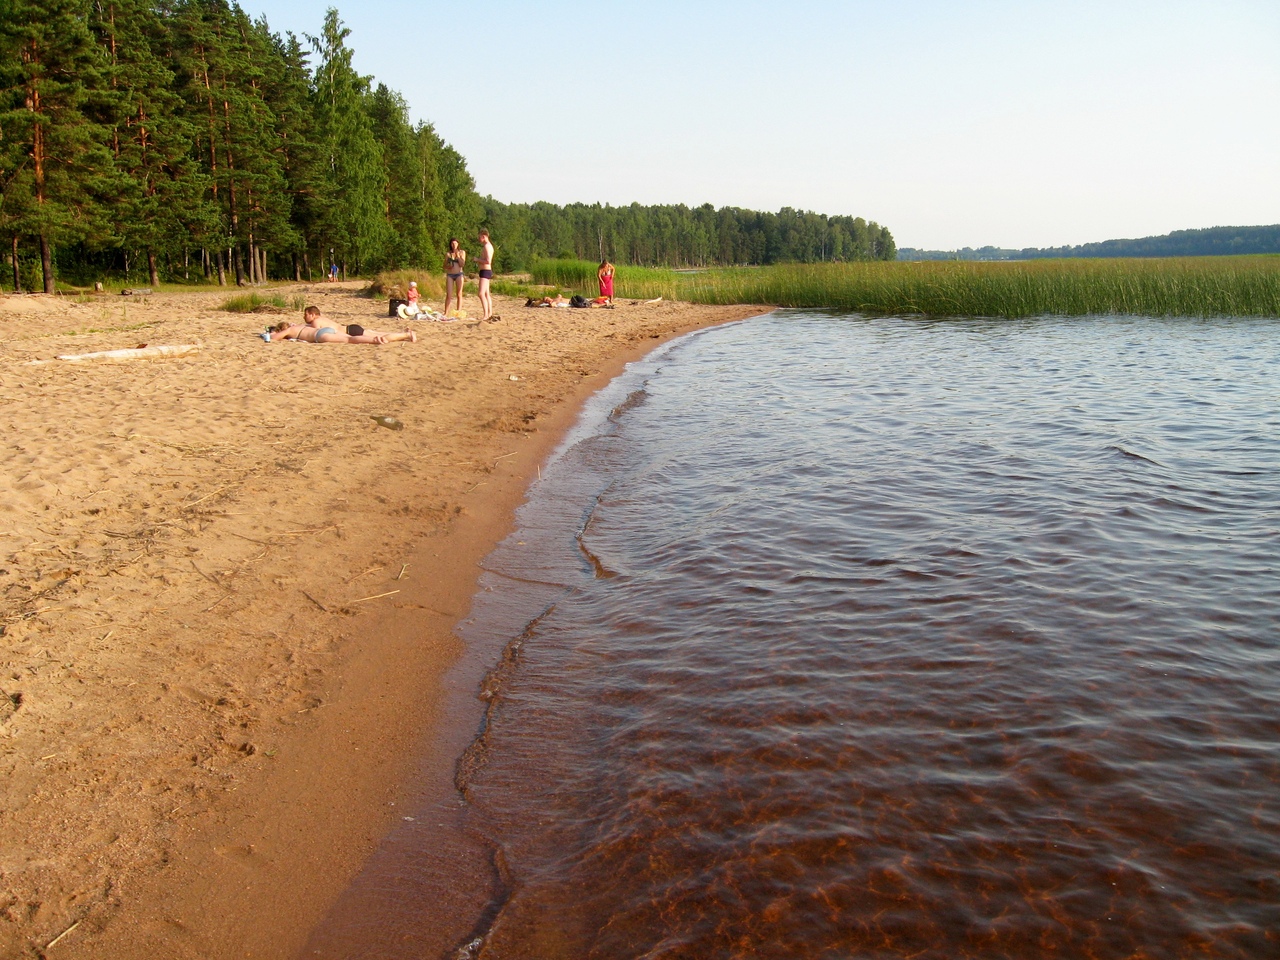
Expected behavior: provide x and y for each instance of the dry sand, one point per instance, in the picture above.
(228, 595)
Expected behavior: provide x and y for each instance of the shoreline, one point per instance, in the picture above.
(245, 850)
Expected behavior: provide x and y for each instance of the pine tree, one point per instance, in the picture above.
(162, 201)
(409, 241)
(431, 191)
(288, 93)
(352, 211)
(59, 171)
(458, 189)
(197, 47)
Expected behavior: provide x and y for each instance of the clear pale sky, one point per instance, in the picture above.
(1006, 122)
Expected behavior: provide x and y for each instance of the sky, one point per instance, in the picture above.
(954, 124)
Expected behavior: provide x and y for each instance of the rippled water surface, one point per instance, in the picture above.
(854, 638)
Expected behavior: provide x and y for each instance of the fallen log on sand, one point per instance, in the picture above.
(132, 353)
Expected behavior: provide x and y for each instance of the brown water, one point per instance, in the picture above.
(848, 638)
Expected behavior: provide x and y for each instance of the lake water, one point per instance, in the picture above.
(836, 637)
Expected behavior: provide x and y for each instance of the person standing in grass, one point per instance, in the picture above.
(485, 265)
(455, 258)
(605, 276)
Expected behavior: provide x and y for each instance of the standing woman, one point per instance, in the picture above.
(455, 259)
(605, 276)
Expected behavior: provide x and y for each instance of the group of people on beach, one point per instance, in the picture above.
(455, 259)
(314, 329)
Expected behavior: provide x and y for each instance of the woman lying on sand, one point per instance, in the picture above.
(284, 330)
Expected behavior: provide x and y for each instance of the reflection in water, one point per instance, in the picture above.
(886, 638)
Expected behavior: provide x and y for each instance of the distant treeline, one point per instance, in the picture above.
(1209, 242)
(679, 236)
(180, 138)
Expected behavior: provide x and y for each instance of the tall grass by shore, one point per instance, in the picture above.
(1187, 286)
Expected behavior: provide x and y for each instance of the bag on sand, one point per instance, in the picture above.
(577, 301)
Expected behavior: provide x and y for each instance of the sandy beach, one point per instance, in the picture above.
(228, 594)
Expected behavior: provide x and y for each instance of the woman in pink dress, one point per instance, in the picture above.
(605, 276)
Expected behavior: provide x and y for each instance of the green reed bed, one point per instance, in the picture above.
(580, 277)
(1192, 286)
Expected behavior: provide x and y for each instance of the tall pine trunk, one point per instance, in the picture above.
(153, 274)
(17, 273)
(222, 268)
(46, 263)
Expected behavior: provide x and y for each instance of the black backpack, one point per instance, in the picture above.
(579, 301)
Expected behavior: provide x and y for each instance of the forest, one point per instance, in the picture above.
(183, 141)
(1206, 242)
(681, 236)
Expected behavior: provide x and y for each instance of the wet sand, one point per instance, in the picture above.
(228, 596)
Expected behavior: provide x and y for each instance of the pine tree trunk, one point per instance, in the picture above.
(46, 263)
(237, 261)
(297, 269)
(306, 261)
(222, 269)
(17, 274)
(262, 253)
(153, 275)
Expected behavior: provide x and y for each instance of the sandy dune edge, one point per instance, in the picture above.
(226, 594)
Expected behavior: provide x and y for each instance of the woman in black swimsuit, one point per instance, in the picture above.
(455, 259)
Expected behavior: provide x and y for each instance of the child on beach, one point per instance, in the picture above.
(410, 309)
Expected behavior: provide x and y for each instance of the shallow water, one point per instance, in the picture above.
(834, 637)
(841, 637)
